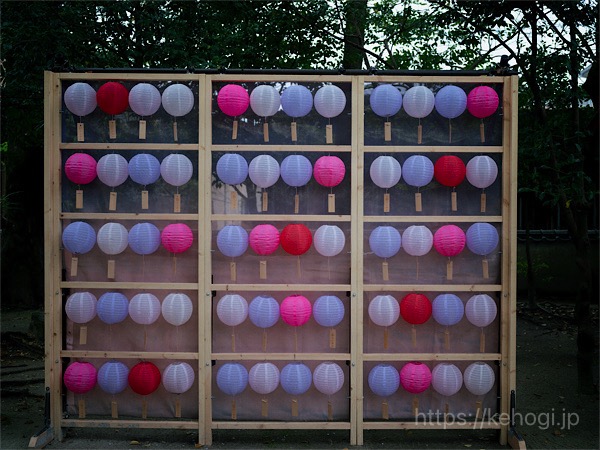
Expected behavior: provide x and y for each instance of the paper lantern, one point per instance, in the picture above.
(385, 171)
(232, 240)
(415, 377)
(144, 99)
(112, 308)
(178, 377)
(329, 171)
(232, 378)
(385, 241)
(79, 237)
(295, 310)
(295, 239)
(417, 240)
(479, 378)
(144, 308)
(81, 307)
(112, 377)
(264, 239)
(384, 380)
(144, 238)
(232, 309)
(80, 99)
(264, 171)
(296, 101)
(417, 170)
(177, 308)
(328, 378)
(296, 170)
(80, 377)
(482, 101)
(446, 379)
(112, 170)
(176, 169)
(177, 237)
(80, 168)
(481, 310)
(329, 240)
(265, 100)
(144, 169)
(328, 310)
(447, 309)
(144, 378)
(233, 100)
(384, 310)
(264, 311)
(232, 168)
(482, 238)
(177, 100)
(264, 378)
(385, 100)
(415, 308)
(330, 101)
(450, 101)
(296, 378)
(418, 101)
(449, 170)
(449, 240)
(113, 238)
(112, 98)
(481, 171)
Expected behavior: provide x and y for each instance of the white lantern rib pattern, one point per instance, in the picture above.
(329, 240)
(80, 99)
(264, 378)
(482, 171)
(144, 99)
(178, 378)
(296, 378)
(232, 378)
(177, 100)
(481, 310)
(177, 308)
(330, 101)
(479, 378)
(328, 378)
(384, 310)
(265, 101)
(385, 172)
(112, 170)
(384, 380)
(144, 308)
(81, 307)
(113, 238)
(176, 169)
(446, 379)
(232, 309)
(264, 171)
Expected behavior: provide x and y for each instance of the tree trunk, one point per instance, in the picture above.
(355, 12)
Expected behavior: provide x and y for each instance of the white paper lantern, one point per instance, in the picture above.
(264, 311)
(296, 170)
(81, 307)
(232, 378)
(232, 168)
(264, 378)
(330, 101)
(417, 170)
(328, 310)
(113, 238)
(418, 101)
(296, 101)
(176, 169)
(178, 377)
(264, 171)
(144, 99)
(232, 240)
(328, 378)
(79, 237)
(178, 100)
(450, 101)
(144, 308)
(479, 378)
(417, 240)
(447, 309)
(112, 307)
(144, 238)
(482, 238)
(232, 309)
(265, 100)
(385, 241)
(329, 240)
(296, 378)
(144, 169)
(385, 100)
(384, 380)
(385, 171)
(446, 379)
(177, 308)
(482, 171)
(112, 170)
(80, 99)
(384, 310)
(112, 377)
(481, 310)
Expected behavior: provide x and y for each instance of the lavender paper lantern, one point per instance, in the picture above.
(296, 101)
(265, 100)
(144, 238)
(450, 102)
(232, 378)
(264, 377)
(447, 309)
(232, 169)
(232, 309)
(384, 380)
(385, 100)
(80, 99)
(178, 378)
(481, 310)
(330, 101)
(482, 238)
(482, 171)
(328, 378)
(479, 378)
(296, 170)
(264, 171)
(385, 172)
(176, 169)
(80, 377)
(296, 378)
(232, 240)
(79, 237)
(112, 238)
(112, 308)
(177, 100)
(112, 170)
(328, 310)
(263, 311)
(446, 379)
(144, 169)
(144, 308)
(329, 240)
(417, 240)
(177, 308)
(417, 170)
(384, 310)
(81, 307)
(385, 241)
(112, 377)
(144, 99)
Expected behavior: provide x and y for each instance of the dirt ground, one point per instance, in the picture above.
(550, 411)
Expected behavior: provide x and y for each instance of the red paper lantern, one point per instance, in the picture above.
(144, 378)
(449, 170)
(415, 308)
(112, 98)
(295, 239)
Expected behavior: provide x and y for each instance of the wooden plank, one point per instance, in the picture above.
(128, 146)
(433, 149)
(432, 219)
(129, 216)
(251, 425)
(432, 356)
(102, 354)
(281, 356)
(432, 425)
(41, 439)
(479, 79)
(295, 218)
(433, 287)
(278, 78)
(86, 76)
(127, 285)
(282, 148)
(133, 424)
(282, 287)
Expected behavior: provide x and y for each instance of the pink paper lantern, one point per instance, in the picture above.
(482, 101)
(329, 171)
(177, 237)
(80, 377)
(295, 310)
(415, 377)
(449, 240)
(233, 100)
(80, 168)
(264, 239)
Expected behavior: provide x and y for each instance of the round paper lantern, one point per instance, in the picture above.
(415, 308)
(80, 377)
(384, 310)
(177, 237)
(296, 101)
(328, 378)
(144, 308)
(232, 168)
(329, 240)
(328, 310)
(296, 170)
(264, 171)
(384, 380)
(112, 377)
(113, 238)
(112, 98)
(417, 240)
(144, 238)
(449, 170)
(385, 100)
(417, 170)
(295, 310)
(265, 100)
(385, 241)
(144, 99)
(177, 100)
(264, 239)
(481, 310)
(264, 311)
(263, 378)
(144, 169)
(232, 240)
(329, 171)
(449, 240)
(233, 100)
(482, 101)
(80, 99)
(80, 168)
(178, 377)
(481, 171)
(79, 237)
(330, 101)
(296, 378)
(232, 378)
(112, 307)
(81, 307)
(482, 238)
(446, 379)
(479, 378)
(450, 101)
(447, 309)
(415, 377)
(232, 309)
(418, 101)
(176, 169)
(295, 239)
(385, 171)
(177, 308)
(112, 169)
(144, 378)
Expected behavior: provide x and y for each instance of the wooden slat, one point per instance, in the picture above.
(118, 423)
(281, 287)
(281, 148)
(432, 425)
(479, 79)
(86, 76)
(295, 218)
(433, 149)
(432, 356)
(128, 285)
(128, 146)
(432, 219)
(282, 78)
(221, 425)
(129, 216)
(281, 356)
(101, 354)
(433, 287)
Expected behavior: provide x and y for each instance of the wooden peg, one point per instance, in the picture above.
(81, 407)
(482, 341)
(485, 268)
(265, 201)
(329, 410)
(294, 132)
(110, 272)
(233, 197)
(264, 340)
(294, 407)
(78, 199)
(112, 201)
(233, 410)
(387, 131)
(265, 408)
(415, 406)
(80, 132)
(114, 410)
(449, 131)
(145, 200)
(482, 131)
(233, 271)
(177, 407)
(446, 339)
(266, 131)
(386, 202)
(74, 261)
(144, 408)
(482, 202)
(454, 201)
(385, 271)
(177, 203)
(384, 410)
(296, 204)
(263, 270)
(449, 269)
(418, 203)
(233, 339)
(478, 410)
(142, 130)
(83, 335)
(413, 336)
(420, 134)
(332, 338)
(234, 130)
(385, 338)
(331, 203)
(112, 129)
(329, 134)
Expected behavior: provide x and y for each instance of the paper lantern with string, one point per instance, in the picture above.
(385, 241)
(144, 100)
(450, 170)
(384, 311)
(232, 240)
(113, 99)
(481, 310)
(80, 168)
(144, 308)
(479, 378)
(81, 307)
(446, 379)
(79, 237)
(450, 102)
(295, 239)
(417, 171)
(328, 378)
(418, 102)
(232, 309)
(178, 377)
(482, 239)
(112, 238)
(176, 169)
(264, 172)
(144, 169)
(329, 171)
(144, 378)
(263, 311)
(415, 377)
(415, 308)
(80, 99)
(265, 102)
(296, 101)
(177, 100)
(233, 100)
(329, 240)
(482, 102)
(112, 308)
(449, 241)
(417, 240)
(296, 170)
(384, 380)
(177, 308)
(112, 170)
(481, 172)
(177, 237)
(264, 240)
(264, 377)
(329, 311)
(80, 377)
(295, 310)
(385, 172)
(296, 378)
(329, 102)
(144, 238)
(447, 309)
(112, 377)
(386, 101)
(232, 378)
(232, 168)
